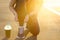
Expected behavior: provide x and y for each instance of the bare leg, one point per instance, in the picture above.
(33, 25)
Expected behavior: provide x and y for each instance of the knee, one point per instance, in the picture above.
(35, 32)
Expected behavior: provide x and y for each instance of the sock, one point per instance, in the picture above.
(21, 30)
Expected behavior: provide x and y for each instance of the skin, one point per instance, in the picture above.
(20, 13)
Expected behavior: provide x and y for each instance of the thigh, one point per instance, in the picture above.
(33, 26)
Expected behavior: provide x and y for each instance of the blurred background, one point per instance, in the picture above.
(48, 18)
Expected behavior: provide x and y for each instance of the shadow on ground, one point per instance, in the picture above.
(32, 38)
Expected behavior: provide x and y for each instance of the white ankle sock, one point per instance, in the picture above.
(21, 30)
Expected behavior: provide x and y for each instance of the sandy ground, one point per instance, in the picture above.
(48, 21)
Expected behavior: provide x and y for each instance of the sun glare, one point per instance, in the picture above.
(50, 4)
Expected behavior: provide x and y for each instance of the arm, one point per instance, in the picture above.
(11, 6)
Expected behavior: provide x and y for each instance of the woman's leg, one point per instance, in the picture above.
(33, 26)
